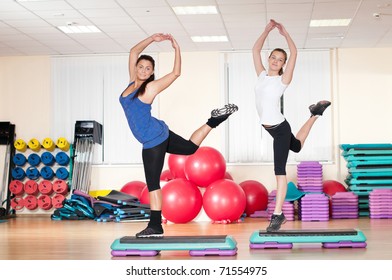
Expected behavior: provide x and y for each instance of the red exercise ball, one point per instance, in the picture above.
(176, 165)
(224, 200)
(256, 196)
(133, 188)
(166, 175)
(330, 187)
(181, 201)
(205, 166)
(144, 196)
(228, 176)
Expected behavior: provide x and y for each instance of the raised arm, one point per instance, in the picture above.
(155, 87)
(256, 50)
(290, 65)
(138, 48)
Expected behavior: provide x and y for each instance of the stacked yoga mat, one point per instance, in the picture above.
(314, 205)
(288, 207)
(369, 173)
(344, 205)
(113, 207)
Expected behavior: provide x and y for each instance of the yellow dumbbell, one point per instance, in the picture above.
(34, 145)
(62, 144)
(48, 144)
(20, 145)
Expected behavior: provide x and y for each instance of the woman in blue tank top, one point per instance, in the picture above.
(153, 133)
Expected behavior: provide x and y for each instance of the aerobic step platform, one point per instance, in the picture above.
(284, 239)
(214, 245)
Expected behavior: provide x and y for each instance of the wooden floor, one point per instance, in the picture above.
(37, 237)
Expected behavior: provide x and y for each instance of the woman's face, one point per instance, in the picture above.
(144, 69)
(276, 60)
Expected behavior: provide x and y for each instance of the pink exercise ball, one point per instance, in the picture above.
(133, 188)
(228, 176)
(256, 196)
(166, 175)
(181, 201)
(176, 165)
(330, 187)
(224, 200)
(205, 166)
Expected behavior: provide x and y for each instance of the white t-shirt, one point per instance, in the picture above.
(268, 91)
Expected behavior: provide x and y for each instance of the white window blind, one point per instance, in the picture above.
(88, 88)
(247, 141)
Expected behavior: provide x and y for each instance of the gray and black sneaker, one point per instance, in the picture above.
(220, 115)
(319, 108)
(225, 111)
(276, 222)
(149, 232)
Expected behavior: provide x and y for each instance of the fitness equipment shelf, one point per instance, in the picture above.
(284, 239)
(210, 245)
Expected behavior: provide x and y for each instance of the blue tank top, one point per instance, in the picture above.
(147, 130)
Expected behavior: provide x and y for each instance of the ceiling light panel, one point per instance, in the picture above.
(195, 10)
(329, 22)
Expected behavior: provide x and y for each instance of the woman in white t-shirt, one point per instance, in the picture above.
(270, 86)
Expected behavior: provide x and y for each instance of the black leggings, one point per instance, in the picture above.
(154, 158)
(284, 141)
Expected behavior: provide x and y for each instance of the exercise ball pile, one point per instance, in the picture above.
(223, 200)
(200, 181)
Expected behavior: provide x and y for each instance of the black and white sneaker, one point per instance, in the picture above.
(218, 116)
(225, 111)
(319, 108)
(150, 232)
(276, 222)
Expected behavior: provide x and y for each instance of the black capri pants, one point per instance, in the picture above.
(284, 141)
(154, 158)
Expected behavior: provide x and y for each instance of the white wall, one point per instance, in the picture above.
(25, 98)
(363, 98)
(362, 93)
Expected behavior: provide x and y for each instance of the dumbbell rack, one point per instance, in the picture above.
(7, 136)
(41, 174)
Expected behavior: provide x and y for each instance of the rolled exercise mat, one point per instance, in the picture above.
(34, 145)
(16, 187)
(62, 173)
(18, 173)
(30, 202)
(34, 159)
(48, 144)
(47, 173)
(19, 159)
(62, 158)
(31, 187)
(48, 159)
(44, 202)
(20, 145)
(45, 187)
(60, 186)
(63, 144)
(32, 173)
